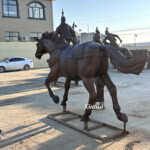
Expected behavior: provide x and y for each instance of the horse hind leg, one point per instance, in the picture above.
(65, 97)
(100, 91)
(113, 92)
(89, 85)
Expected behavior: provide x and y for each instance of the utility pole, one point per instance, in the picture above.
(135, 36)
(80, 35)
(88, 32)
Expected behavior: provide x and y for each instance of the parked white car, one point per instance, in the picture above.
(15, 63)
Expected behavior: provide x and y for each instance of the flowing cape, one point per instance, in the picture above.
(124, 65)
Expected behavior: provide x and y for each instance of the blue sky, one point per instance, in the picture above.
(121, 16)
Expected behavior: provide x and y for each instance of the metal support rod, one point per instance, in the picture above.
(60, 113)
(124, 128)
(69, 118)
(64, 108)
(95, 127)
(85, 125)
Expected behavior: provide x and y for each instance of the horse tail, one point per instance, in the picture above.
(124, 65)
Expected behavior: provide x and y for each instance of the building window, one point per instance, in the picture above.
(11, 36)
(10, 8)
(35, 34)
(36, 10)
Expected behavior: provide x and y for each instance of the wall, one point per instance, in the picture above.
(23, 25)
(147, 65)
(22, 49)
(138, 47)
(28, 49)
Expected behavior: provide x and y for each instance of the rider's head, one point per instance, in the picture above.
(97, 31)
(63, 18)
(106, 31)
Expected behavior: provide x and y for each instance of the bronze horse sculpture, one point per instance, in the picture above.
(85, 62)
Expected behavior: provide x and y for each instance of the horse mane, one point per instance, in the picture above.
(52, 36)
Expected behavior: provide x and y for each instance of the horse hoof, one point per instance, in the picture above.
(122, 117)
(84, 118)
(55, 99)
(102, 105)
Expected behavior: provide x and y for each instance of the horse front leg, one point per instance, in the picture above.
(65, 97)
(52, 77)
(89, 85)
(113, 92)
(100, 91)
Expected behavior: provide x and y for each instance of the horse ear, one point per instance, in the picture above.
(36, 39)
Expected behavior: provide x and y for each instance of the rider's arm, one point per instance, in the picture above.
(72, 31)
(57, 30)
(117, 37)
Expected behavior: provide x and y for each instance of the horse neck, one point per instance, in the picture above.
(47, 47)
(51, 48)
(56, 53)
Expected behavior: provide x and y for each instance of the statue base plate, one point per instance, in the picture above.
(95, 129)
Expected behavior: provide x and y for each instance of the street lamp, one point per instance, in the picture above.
(135, 36)
(80, 35)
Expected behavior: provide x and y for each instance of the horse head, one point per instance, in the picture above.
(40, 48)
(48, 44)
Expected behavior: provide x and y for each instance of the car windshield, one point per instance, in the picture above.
(3, 60)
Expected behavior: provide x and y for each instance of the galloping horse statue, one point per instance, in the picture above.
(85, 62)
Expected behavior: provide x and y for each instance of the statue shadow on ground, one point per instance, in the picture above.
(18, 86)
(70, 139)
(61, 137)
(22, 91)
(20, 137)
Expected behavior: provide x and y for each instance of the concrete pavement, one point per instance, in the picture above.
(25, 103)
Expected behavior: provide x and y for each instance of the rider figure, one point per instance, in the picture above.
(97, 37)
(65, 30)
(112, 38)
(68, 32)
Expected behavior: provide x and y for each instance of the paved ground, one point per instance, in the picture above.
(25, 103)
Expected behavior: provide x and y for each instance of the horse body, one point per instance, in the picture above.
(78, 61)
